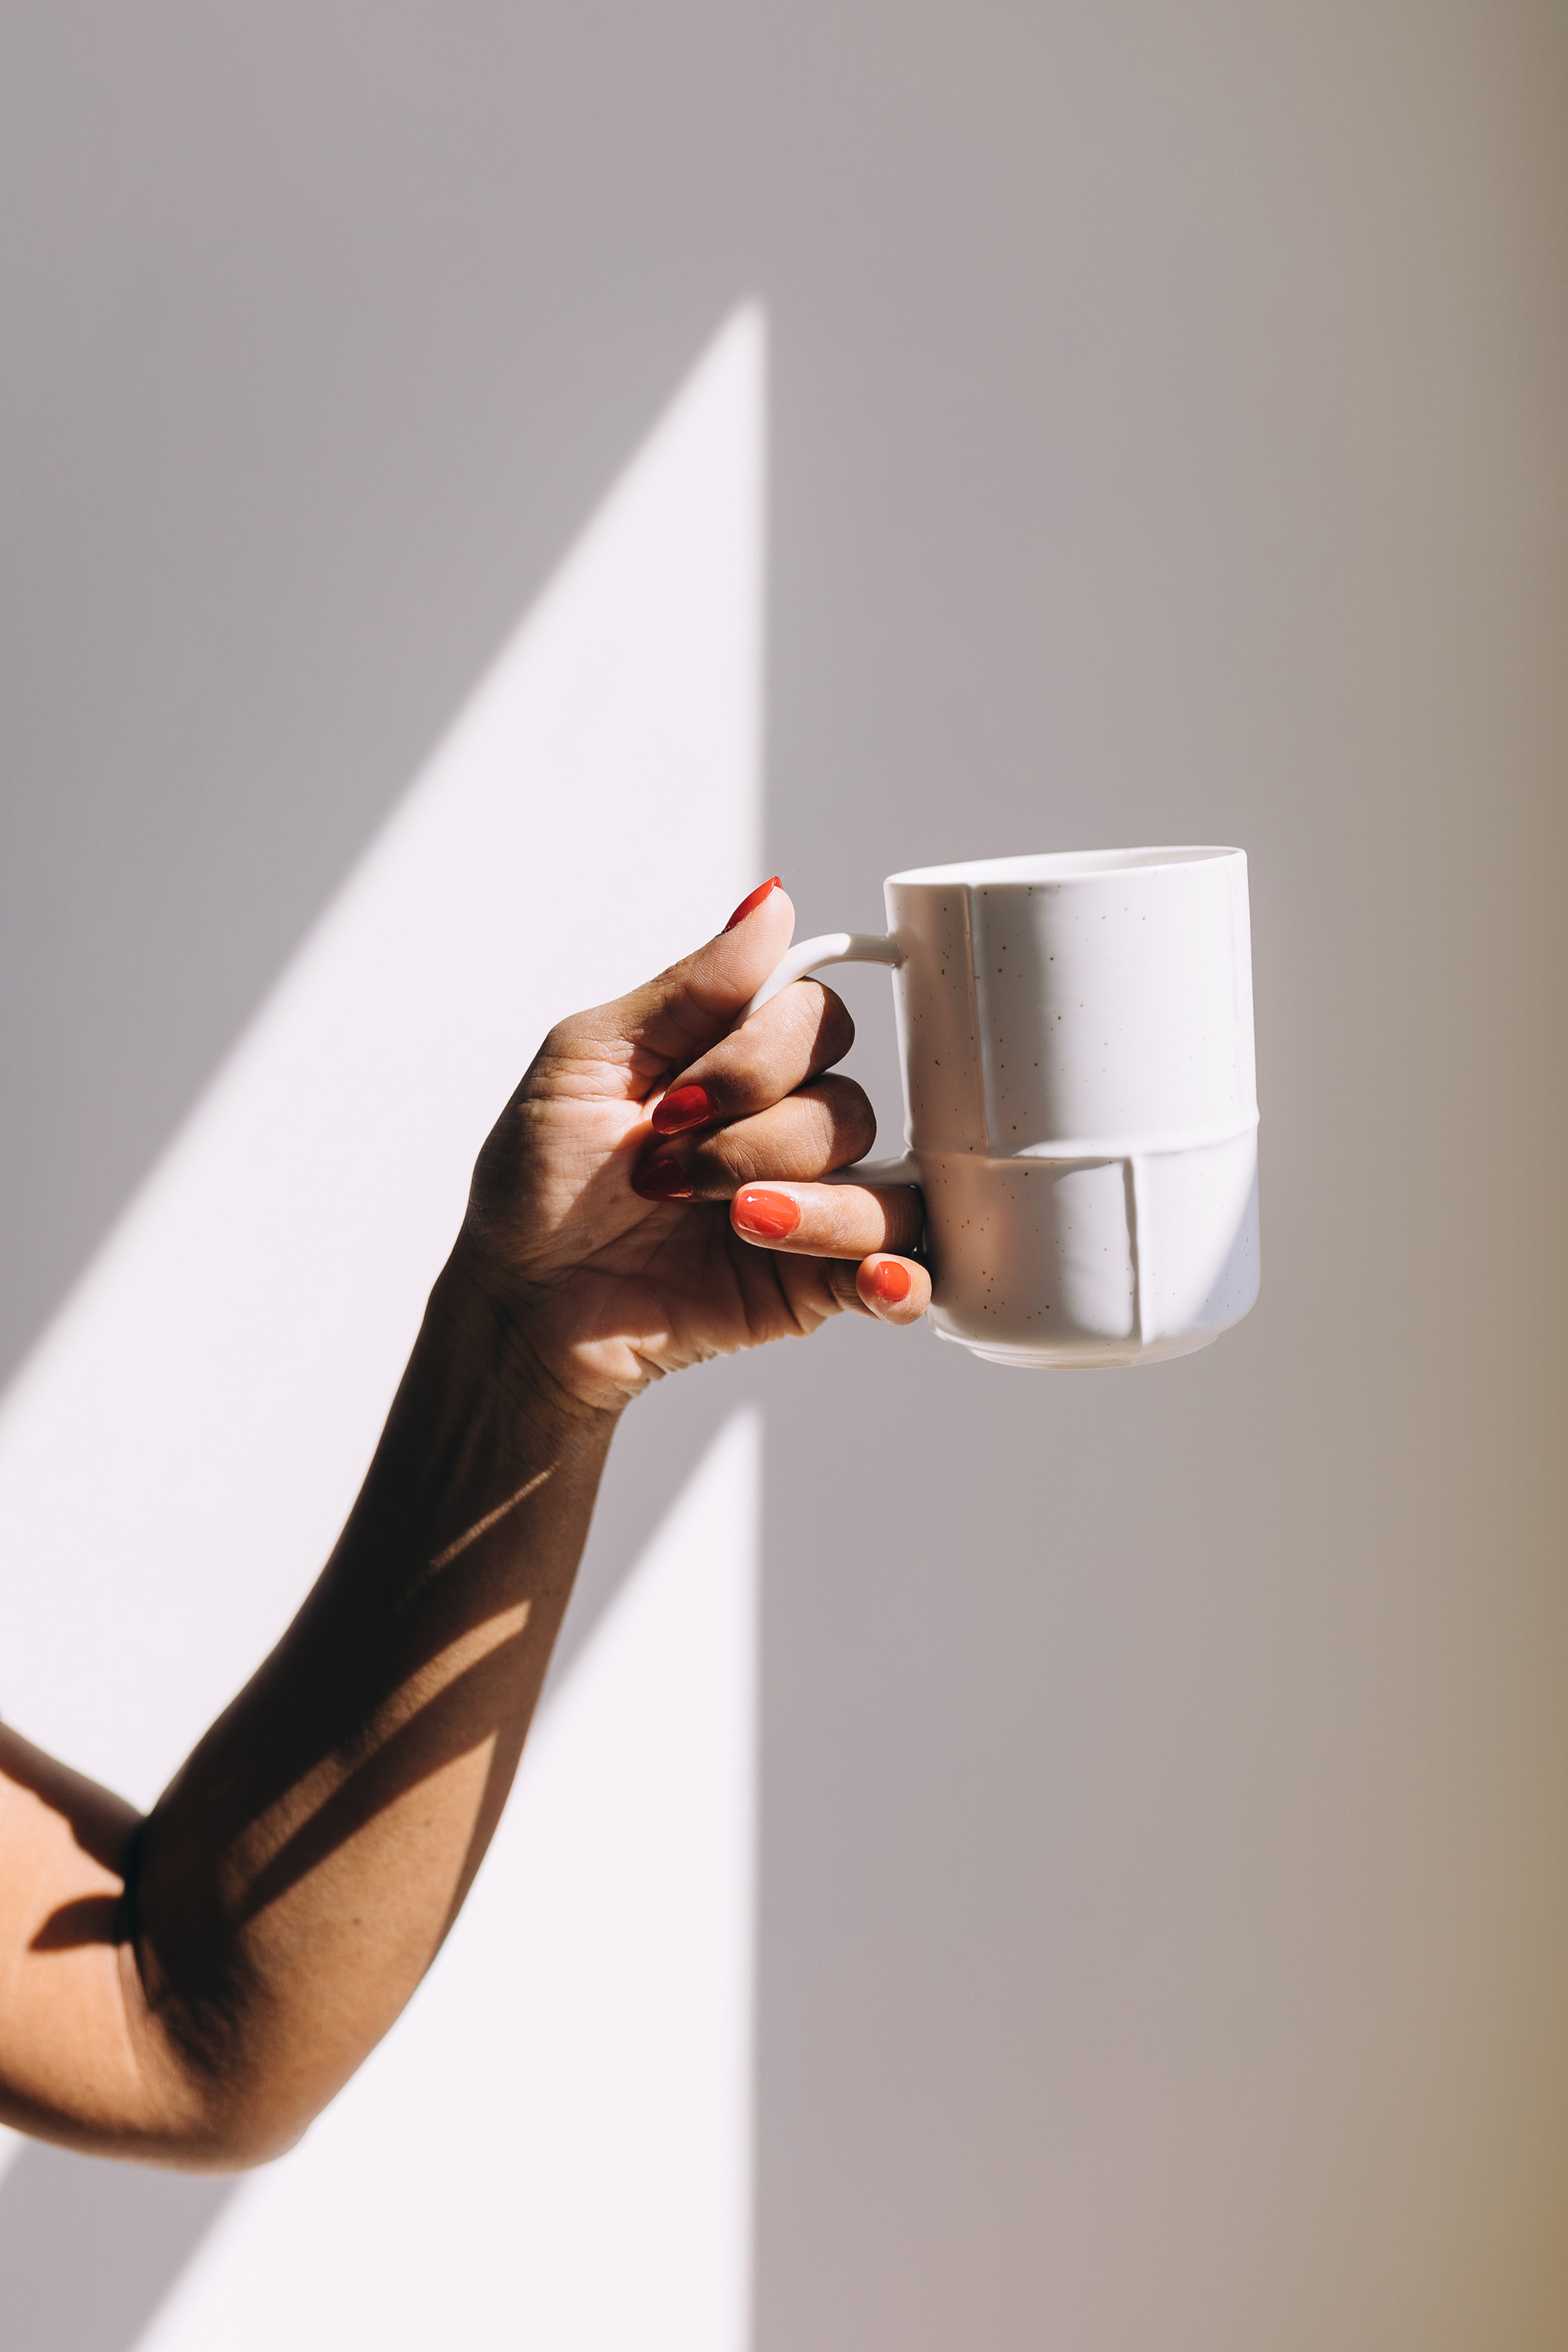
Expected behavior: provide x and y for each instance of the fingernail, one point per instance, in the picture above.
(771, 1214)
(684, 1106)
(661, 1180)
(749, 906)
(890, 1281)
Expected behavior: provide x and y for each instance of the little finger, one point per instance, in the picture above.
(896, 1289)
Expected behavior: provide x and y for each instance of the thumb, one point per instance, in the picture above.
(668, 1022)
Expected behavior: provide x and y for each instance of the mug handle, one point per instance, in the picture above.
(812, 955)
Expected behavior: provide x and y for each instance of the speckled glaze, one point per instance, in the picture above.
(1080, 1097)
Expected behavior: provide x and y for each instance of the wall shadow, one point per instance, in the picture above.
(1093, 1714)
(660, 1441)
(89, 2248)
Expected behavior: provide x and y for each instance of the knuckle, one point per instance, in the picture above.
(819, 1123)
(835, 1027)
(743, 1154)
(817, 1022)
(574, 1046)
(851, 1120)
(730, 1156)
(562, 1041)
(841, 1274)
(906, 1219)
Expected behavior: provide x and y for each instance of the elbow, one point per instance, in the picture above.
(224, 2086)
(172, 2135)
(212, 2105)
(244, 2145)
(222, 2134)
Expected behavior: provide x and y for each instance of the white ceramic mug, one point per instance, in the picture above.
(1080, 1096)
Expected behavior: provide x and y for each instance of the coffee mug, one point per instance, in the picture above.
(1080, 1096)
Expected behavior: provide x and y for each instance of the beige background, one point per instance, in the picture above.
(1165, 1821)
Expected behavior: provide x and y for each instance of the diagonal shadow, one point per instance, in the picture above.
(659, 1443)
(88, 2250)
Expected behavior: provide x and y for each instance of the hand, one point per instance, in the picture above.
(647, 1199)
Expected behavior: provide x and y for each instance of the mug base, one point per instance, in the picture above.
(1088, 1356)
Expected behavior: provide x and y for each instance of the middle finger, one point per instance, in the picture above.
(794, 1036)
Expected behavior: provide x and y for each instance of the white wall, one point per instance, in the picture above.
(568, 2102)
(1165, 1780)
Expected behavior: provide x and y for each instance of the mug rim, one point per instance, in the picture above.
(1066, 865)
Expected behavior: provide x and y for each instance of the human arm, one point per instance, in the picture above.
(192, 1987)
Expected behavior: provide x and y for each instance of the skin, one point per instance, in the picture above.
(191, 1987)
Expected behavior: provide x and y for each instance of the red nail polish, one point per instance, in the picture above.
(771, 1215)
(661, 1180)
(749, 906)
(890, 1281)
(684, 1106)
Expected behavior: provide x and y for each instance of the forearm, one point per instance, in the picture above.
(193, 1987)
(291, 1888)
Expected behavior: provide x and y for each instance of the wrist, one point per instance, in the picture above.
(497, 1328)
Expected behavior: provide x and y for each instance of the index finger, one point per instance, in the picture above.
(668, 1021)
